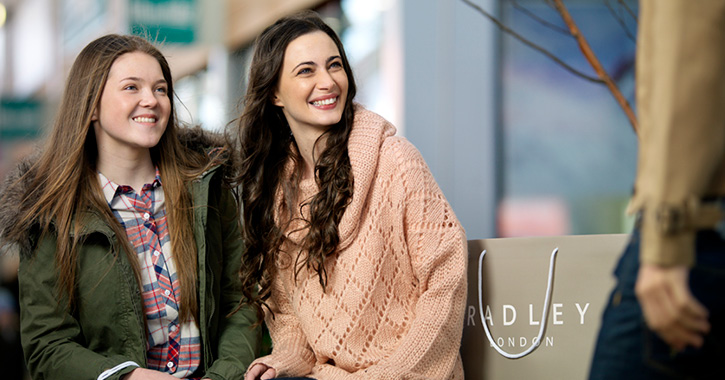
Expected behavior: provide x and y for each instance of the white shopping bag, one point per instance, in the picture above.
(508, 291)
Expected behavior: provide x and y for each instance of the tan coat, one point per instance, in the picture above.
(681, 106)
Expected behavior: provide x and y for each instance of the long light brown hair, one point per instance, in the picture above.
(63, 181)
(267, 145)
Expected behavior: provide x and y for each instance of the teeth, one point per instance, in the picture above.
(325, 102)
(144, 119)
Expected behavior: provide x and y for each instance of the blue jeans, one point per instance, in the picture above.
(627, 349)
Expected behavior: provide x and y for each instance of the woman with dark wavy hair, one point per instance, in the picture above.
(351, 245)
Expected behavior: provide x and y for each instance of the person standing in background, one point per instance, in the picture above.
(666, 316)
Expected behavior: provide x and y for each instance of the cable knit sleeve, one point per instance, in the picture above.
(291, 354)
(436, 244)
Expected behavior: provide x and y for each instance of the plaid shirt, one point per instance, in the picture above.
(172, 347)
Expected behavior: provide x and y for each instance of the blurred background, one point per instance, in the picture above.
(519, 145)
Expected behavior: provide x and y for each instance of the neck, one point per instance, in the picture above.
(133, 170)
(310, 148)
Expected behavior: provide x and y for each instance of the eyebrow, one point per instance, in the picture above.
(332, 58)
(137, 79)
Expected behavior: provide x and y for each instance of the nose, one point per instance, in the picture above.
(148, 98)
(325, 81)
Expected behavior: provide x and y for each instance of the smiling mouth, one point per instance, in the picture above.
(144, 119)
(325, 102)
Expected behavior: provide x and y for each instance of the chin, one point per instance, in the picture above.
(150, 143)
(331, 120)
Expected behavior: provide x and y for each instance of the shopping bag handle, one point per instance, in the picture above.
(544, 313)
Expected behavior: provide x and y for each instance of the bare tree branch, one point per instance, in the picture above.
(620, 20)
(596, 65)
(540, 20)
(629, 10)
(550, 3)
(532, 45)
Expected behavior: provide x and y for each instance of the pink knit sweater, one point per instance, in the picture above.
(396, 291)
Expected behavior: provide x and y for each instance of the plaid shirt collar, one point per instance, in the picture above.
(110, 192)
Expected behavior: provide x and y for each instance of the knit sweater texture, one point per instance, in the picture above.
(394, 302)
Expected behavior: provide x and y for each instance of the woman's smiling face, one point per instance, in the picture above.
(135, 105)
(312, 85)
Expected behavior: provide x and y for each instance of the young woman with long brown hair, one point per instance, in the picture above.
(361, 259)
(129, 238)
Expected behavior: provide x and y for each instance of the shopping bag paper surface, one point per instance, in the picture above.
(512, 287)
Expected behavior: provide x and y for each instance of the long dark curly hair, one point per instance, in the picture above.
(267, 145)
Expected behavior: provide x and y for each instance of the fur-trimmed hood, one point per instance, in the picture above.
(194, 138)
(11, 198)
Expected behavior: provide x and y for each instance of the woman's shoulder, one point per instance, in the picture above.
(393, 150)
(400, 151)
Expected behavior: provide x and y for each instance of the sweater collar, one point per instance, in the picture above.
(368, 132)
(367, 135)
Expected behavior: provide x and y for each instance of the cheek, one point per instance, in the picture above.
(167, 107)
(343, 83)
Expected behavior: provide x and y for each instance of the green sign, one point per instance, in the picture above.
(164, 21)
(20, 118)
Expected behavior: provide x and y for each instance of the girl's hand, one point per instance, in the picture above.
(147, 374)
(260, 371)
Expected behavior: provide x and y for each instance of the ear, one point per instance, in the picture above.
(277, 100)
(94, 116)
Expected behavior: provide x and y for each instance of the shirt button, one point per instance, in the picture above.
(146, 216)
(170, 364)
(167, 292)
(156, 253)
(173, 328)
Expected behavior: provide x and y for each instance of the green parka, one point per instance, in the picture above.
(107, 326)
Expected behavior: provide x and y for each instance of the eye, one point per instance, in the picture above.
(336, 64)
(304, 70)
(162, 90)
(130, 87)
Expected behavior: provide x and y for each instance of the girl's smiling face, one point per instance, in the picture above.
(135, 105)
(312, 84)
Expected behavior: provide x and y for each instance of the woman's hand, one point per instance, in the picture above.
(147, 374)
(260, 371)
